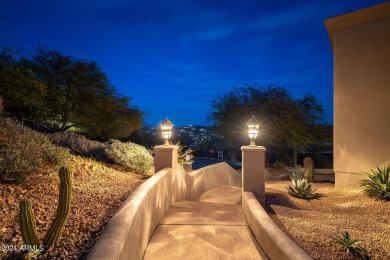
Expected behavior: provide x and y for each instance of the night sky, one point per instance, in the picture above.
(174, 57)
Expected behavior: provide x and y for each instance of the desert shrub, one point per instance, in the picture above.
(79, 144)
(378, 183)
(300, 188)
(131, 156)
(351, 245)
(183, 154)
(23, 151)
(279, 165)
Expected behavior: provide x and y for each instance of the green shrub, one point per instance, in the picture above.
(80, 145)
(351, 245)
(23, 151)
(131, 156)
(378, 183)
(300, 188)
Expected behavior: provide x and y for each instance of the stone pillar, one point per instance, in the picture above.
(253, 171)
(165, 156)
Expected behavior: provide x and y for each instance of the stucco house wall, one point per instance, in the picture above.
(361, 51)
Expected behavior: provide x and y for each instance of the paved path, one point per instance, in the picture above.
(214, 227)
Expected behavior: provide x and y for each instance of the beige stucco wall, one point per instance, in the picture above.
(274, 242)
(361, 51)
(206, 178)
(128, 233)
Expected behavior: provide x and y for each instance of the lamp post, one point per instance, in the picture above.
(165, 156)
(253, 162)
(166, 130)
(253, 129)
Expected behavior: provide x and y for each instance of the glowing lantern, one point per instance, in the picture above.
(253, 129)
(166, 129)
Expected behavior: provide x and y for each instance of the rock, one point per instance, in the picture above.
(77, 174)
(11, 189)
(10, 200)
(17, 190)
(40, 222)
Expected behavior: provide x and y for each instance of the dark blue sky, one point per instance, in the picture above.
(174, 57)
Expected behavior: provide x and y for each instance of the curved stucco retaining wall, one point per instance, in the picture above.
(274, 242)
(128, 233)
(206, 178)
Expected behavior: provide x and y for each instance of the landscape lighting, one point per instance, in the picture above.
(253, 129)
(166, 129)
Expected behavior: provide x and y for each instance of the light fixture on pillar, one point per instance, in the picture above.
(253, 129)
(166, 129)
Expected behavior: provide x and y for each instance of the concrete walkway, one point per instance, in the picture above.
(214, 227)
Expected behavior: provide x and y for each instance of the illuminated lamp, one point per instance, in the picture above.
(253, 129)
(166, 130)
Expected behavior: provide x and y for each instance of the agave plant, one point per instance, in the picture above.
(300, 188)
(378, 183)
(351, 245)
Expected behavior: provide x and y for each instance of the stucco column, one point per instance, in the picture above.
(253, 170)
(165, 156)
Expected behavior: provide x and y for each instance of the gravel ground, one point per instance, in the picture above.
(313, 223)
(98, 191)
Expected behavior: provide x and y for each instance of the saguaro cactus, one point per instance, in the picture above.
(53, 234)
(27, 220)
(27, 223)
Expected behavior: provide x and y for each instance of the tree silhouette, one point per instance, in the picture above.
(68, 94)
(284, 120)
